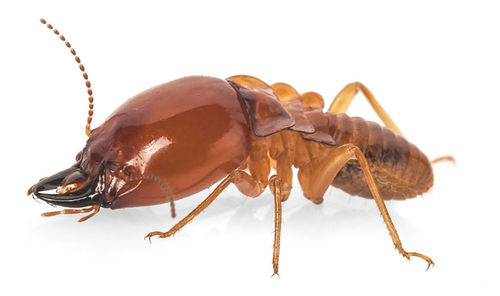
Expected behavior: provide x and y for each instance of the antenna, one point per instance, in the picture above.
(85, 75)
(163, 186)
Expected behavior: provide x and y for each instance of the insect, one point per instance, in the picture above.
(183, 136)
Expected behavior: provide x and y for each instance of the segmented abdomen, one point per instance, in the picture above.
(400, 169)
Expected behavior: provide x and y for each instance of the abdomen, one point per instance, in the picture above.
(400, 169)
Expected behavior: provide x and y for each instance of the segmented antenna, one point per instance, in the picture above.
(162, 184)
(85, 75)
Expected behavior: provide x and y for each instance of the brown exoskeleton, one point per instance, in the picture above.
(180, 137)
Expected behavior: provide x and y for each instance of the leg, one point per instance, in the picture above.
(254, 183)
(195, 212)
(285, 173)
(285, 158)
(248, 184)
(344, 98)
(315, 181)
(276, 185)
(75, 211)
(247, 180)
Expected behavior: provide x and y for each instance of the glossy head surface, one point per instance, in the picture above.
(188, 133)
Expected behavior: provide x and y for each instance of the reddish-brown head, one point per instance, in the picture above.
(181, 136)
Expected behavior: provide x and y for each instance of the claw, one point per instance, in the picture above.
(427, 259)
(158, 233)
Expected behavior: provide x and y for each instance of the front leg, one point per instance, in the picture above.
(203, 205)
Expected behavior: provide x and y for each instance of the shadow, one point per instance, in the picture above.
(232, 214)
(340, 213)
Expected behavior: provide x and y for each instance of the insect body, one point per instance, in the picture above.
(180, 137)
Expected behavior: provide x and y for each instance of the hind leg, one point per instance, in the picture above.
(344, 98)
(315, 180)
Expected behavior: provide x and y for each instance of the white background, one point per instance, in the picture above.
(433, 65)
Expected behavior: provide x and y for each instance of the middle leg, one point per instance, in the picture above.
(279, 147)
(276, 185)
(248, 185)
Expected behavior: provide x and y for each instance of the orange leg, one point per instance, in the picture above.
(276, 185)
(315, 181)
(344, 98)
(203, 205)
(253, 183)
(249, 186)
(75, 211)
